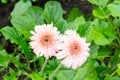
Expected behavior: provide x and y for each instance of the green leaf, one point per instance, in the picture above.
(35, 14)
(61, 24)
(83, 29)
(116, 1)
(52, 64)
(13, 75)
(114, 9)
(100, 25)
(118, 70)
(23, 25)
(75, 12)
(89, 33)
(6, 58)
(65, 74)
(20, 8)
(115, 59)
(80, 73)
(52, 12)
(98, 38)
(100, 70)
(116, 22)
(109, 33)
(93, 1)
(97, 12)
(74, 25)
(4, 1)
(108, 77)
(13, 35)
(103, 27)
(104, 51)
(26, 22)
(36, 76)
(94, 51)
(101, 3)
(87, 72)
(1, 47)
(97, 31)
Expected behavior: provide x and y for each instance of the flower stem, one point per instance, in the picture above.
(56, 70)
(43, 67)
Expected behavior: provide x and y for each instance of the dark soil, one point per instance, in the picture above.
(83, 5)
(5, 13)
(5, 10)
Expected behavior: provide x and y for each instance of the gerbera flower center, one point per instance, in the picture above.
(74, 48)
(46, 40)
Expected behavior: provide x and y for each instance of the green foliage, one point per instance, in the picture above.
(101, 3)
(36, 76)
(53, 13)
(52, 63)
(102, 31)
(98, 38)
(75, 12)
(104, 51)
(94, 51)
(97, 12)
(115, 59)
(87, 72)
(13, 75)
(114, 9)
(5, 58)
(13, 35)
(66, 74)
(4, 1)
(35, 14)
(22, 24)
(84, 29)
(20, 8)
(26, 22)
(108, 77)
(74, 25)
(118, 70)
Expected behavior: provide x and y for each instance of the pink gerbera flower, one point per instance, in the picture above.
(45, 40)
(74, 49)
